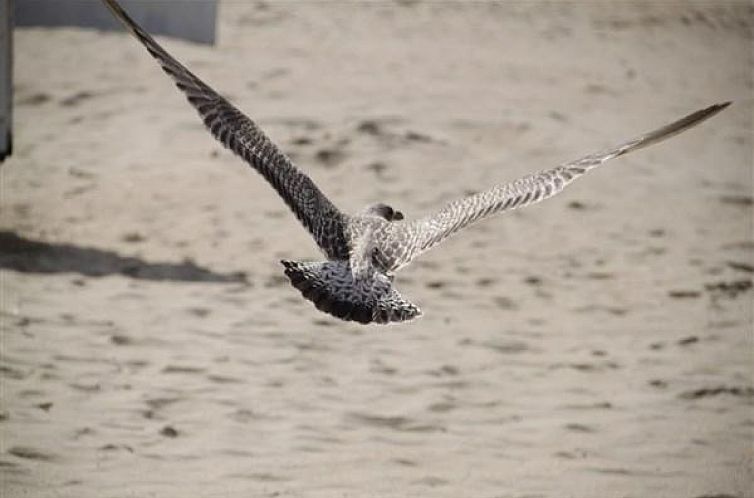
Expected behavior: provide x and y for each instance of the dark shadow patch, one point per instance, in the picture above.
(431, 481)
(445, 370)
(597, 275)
(415, 136)
(397, 423)
(603, 405)
(532, 280)
(578, 205)
(180, 369)
(76, 99)
(370, 127)
(684, 294)
(407, 3)
(85, 388)
(707, 392)
(442, 407)
(739, 244)
(574, 427)
(597, 89)
(599, 366)
(378, 128)
(133, 237)
(223, 379)
(485, 282)
(116, 447)
(169, 431)
(378, 167)
(121, 340)
(12, 373)
(44, 406)
(571, 455)
(692, 339)
(380, 368)
(744, 267)
(260, 476)
(730, 290)
(159, 403)
(598, 308)
(392, 422)
(614, 471)
(31, 453)
(30, 256)
(504, 303)
(33, 99)
(506, 346)
(244, 415)
(302, 141)
(199, 312)
(737, 200)
(330, 157)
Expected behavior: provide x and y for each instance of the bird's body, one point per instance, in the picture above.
(364, 250)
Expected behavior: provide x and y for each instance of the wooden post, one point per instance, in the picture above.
(6, 78)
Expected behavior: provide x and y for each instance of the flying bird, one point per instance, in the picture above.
(364, 250)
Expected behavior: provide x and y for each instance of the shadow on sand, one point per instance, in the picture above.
(30, 256)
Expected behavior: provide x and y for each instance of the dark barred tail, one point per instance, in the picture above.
(331, 286)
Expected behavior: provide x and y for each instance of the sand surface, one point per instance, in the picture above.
(596, 345)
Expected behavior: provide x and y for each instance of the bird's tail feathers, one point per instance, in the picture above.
(334, 289)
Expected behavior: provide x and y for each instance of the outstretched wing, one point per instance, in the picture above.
(424, 233)
(241, 135)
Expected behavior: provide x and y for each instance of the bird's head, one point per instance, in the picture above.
(384, 211)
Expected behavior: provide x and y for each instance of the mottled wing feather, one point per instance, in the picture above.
(360, 258)
(424, 233)
(241, 135)
(333, 288)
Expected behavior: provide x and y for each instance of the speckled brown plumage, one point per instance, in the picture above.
(364, 250)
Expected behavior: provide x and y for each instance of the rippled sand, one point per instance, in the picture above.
(596, 345)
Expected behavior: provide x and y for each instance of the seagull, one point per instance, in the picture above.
(364, 250)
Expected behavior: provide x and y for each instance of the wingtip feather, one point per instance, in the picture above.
(714, 109)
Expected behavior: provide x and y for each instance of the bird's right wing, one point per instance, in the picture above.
(241, 135)
(424, 233)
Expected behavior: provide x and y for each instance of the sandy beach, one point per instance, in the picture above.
(598, 344)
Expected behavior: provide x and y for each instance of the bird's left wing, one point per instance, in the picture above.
(241, 135)
(422, 234)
